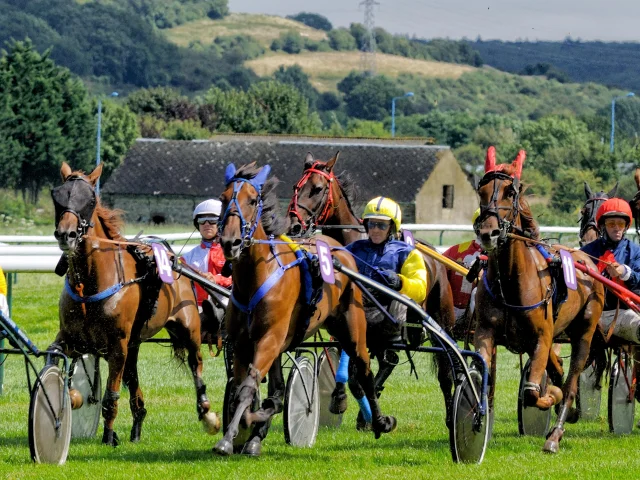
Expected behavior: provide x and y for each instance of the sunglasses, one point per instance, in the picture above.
(615, 222)
(379, 225)
(209, 220)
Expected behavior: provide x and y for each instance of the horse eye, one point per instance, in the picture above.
(253, 201)
(315, 190)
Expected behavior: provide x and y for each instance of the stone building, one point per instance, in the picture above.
(163, 180)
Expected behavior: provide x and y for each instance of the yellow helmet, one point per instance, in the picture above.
(385, 209)
(475, 216)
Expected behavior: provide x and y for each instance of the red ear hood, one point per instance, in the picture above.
(490, 161)
(515, 169)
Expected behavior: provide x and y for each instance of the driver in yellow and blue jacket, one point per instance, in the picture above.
(396, 265)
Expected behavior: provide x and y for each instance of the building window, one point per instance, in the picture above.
(447, 196)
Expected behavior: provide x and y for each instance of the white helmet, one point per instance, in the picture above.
(208, 207)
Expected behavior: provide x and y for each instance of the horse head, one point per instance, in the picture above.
(312, 196)
(588, 226)
(242, 204)
(635, 202)
(499, 192)
(75, 202)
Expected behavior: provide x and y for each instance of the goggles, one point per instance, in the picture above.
(379, 225)
(615, 222)
(209, 220)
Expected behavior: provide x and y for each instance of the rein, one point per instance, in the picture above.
(591, 222)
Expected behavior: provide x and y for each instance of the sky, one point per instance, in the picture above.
(611, 20)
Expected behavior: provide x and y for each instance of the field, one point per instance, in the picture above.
(326, 69)
(173, 445)
(264, 28)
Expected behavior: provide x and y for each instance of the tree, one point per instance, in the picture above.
(371, 99)
(119, 132)
(217, 9)
(313, 20)
(295, 76)
(45, 119)
(341, 39)
(162, 102)
(292, 42)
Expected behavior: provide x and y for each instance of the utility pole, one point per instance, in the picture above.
(368, 56)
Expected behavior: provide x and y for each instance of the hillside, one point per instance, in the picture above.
(326, 69)
(264, 28)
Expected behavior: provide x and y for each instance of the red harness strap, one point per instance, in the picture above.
(293, 205)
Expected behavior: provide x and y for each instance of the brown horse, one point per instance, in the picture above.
(322, 198)
(514, 300)
(268, 314)
(112, 301)
(588, 226)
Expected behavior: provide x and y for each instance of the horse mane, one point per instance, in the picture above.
(349, 188)
(272, 221)
(111, 221)
(528, 223)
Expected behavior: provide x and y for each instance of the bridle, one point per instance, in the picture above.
(83, 213)
(636, 212)
(506, 223)
(247, 228)
(322, 212)
(591, 207)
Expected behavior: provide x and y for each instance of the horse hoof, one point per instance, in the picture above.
(386, 425)
(338, 404)
(361, 424)
(253, 448)
(109, 437)
(551, 446)
(573, 416)
(224, 447)
(211, 423)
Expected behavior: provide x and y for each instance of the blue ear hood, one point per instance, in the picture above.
(229, 173)
(261, 177)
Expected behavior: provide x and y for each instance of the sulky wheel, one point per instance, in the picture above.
(86, 380)
(532, 420)
(589, 393)
(469, 432)
(49, 418)
(227, 415)
(301, 405)
(327, 365)
(621, 393)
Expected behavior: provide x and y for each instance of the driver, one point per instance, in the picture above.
(620, 261)
(209, 260)
(396, 265)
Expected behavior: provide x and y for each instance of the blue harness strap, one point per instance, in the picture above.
(524, 308)
(93, 298)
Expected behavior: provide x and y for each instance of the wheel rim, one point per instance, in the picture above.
(326, 384)
(531, 420)
(85, 420)
(468, 443)
(589, 396)
(47, 445)
(300, 417)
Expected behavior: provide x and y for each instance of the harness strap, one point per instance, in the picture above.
(100, 295)
(524, 308)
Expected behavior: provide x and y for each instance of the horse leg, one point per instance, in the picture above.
(116, 361)
(271, 405)
(136, 399)
(580, 347)
(540, 358)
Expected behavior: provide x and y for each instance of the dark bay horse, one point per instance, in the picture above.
(112, 301)
(263, 322)
(322, 198)
(635, 202)
(514, 300)
(588, 226)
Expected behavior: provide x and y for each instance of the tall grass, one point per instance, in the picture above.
(174, 446)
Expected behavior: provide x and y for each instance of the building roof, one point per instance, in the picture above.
(196, 168)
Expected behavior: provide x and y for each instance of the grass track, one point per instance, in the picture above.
(173, 445)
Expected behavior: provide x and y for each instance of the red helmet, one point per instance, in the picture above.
(614, 207)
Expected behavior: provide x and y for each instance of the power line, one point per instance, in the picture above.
(368, 56)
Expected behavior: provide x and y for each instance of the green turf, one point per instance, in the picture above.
(174, 446)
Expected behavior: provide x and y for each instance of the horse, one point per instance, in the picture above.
(588, 226)
(264, 321)
(322, 198)
(113, 300)
(514, 304)
(635, 202)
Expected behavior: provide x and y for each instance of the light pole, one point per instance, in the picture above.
(113, 94)
(393, 112)
(613, 117)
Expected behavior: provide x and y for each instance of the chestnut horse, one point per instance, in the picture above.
(514, 300)
(112, 301)
(268, 313)
(588, 226)
(322, 198)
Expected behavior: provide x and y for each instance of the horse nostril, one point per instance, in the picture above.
(495, 233)
(57, 235)
(237, 242)
(72, 235)
(296, 229)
